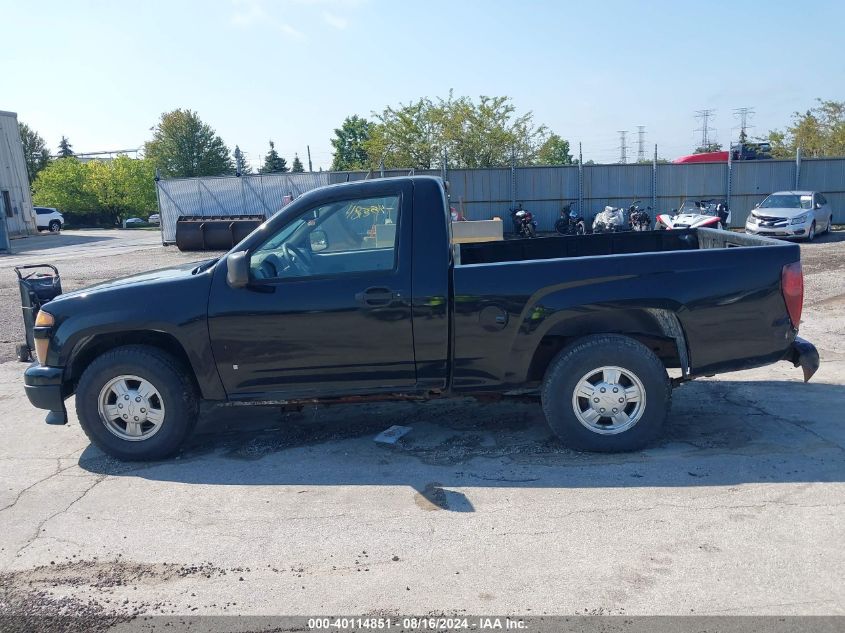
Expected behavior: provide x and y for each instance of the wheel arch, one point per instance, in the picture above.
(658, 329)
(90, 348)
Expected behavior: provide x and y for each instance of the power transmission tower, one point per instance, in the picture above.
(705, 129)
(640, 143)
(744, 114)
(623, 146)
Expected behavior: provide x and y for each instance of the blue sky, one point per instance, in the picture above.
(291, 70)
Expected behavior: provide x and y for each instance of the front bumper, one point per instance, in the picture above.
(795, 231)
(805, 354)
(43, 386)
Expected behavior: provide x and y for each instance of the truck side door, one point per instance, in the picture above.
(328, 308)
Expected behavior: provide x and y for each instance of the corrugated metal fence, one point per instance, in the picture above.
(484, 193)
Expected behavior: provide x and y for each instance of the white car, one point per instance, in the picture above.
(694, 214)
(792, 214)
(155, 218)
(48, 219)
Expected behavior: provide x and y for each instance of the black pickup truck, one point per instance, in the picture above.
(355, 292)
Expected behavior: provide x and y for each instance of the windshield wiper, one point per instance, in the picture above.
(205, 266)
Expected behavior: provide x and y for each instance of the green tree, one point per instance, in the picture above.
(710, 147)
(65, 148)
(296, 166)
(473, 134)
(241, 166)
(184, 146)
(407, 136)
(123, 187)
(488, 133)
(554, 151)
(62, 185)
(819, 132)
(349, 144)
(116, 189)
(35, 151)
(273, 163)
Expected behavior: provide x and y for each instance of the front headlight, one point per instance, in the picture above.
(45, 320)
(752, 219)
(799, 220)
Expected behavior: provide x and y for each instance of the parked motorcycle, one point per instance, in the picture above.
(639, 218)
(570, 222)
(524, 224)
(611, 220)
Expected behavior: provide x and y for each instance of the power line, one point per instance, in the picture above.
(623, 146)
(705, 129)
(744, 114)
(640, 143)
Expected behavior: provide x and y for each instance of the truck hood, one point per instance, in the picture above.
(141, 279)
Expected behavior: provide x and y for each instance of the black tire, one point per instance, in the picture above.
(172, 381)
(588, 354)
(532, 232)
(829, 225)
(562, 226)
(811, 234)
(55, 226)
(580, 228)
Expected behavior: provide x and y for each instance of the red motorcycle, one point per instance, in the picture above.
(524, 224)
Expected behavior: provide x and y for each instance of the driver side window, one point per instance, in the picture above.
(347, 236)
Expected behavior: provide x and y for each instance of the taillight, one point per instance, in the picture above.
(792, 287)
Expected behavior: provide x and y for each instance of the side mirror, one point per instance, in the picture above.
(237, 269)
(818, 205)
(757, 206)
(319, 241)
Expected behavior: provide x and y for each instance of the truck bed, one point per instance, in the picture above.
(717, 288)
(567, 246)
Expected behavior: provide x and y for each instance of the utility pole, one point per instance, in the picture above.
(310, 166)
(705, 129)
(640, 143)
(623, 146)
(743, 114)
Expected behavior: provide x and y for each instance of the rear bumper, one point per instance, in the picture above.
(43, 386)
(805, 354)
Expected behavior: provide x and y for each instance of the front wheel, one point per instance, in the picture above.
(811, 234)
(55, 226)
(606, 393)
(136, 403)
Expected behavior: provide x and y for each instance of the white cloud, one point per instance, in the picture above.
(247, 12)
(291, 32)
(335, 21)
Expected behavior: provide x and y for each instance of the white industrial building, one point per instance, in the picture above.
(17, 217)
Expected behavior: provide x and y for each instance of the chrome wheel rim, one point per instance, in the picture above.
(609, 400)
(131, 408)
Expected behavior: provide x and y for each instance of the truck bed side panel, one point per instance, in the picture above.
(728, 301)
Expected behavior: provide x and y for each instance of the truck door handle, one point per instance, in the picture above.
(376, 296)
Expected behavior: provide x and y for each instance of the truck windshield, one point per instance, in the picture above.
(787, 201)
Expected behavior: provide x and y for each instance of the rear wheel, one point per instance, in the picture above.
(55, 226)
(532, 231)
(606, 393)
(136, 403)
